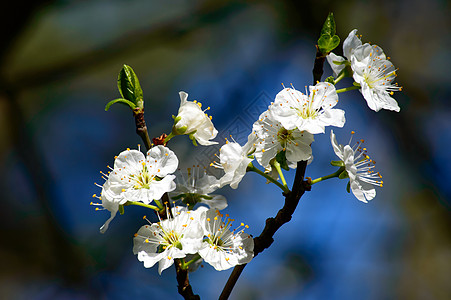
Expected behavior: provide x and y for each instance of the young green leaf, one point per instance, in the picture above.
(329, 25)
(129, 86)
(120, 100)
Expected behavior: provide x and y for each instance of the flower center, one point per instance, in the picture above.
(284, 136)
(143, 179)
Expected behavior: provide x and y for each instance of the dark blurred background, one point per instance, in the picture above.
(59, 65)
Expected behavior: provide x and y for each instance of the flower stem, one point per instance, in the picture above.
(340, 77)
(168, 138)
(333, 175)
(276, 165)
(251, 167)
(348, 89)
(186, 264)
(142, 204)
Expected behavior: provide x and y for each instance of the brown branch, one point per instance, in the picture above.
(184, 287)
(265, 239)
(318, 66)
(141, 127)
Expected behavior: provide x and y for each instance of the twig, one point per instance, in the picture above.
(265, 239)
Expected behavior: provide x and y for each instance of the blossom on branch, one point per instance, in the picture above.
(193, 121)
(359, 168)
(138, 178)
(375, 74)
(169, 239)
(338, 63)
(272, 138)
(195, 186)
(310, 113)
(234, 159)
(223, 248)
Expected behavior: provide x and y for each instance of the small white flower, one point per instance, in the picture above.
(272, 138)
(169, 239)
(221, 247)
(234, 160)
(359, 166)
(349, 45)
(195, 186)
(191, 119)
(293, 109)
(142, 179)
(375, 74)
(137, 178)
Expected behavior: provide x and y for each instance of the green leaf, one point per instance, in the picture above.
(282, 160)
(128, 85)
(329, 25)
(327, 43)
(120, 100)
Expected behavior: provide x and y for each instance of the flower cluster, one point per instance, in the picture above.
(195, 230)
(201, 232)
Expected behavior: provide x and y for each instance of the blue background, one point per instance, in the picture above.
(59, 69)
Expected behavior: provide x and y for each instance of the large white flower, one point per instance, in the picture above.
(169, 239)
(336, 62)
(137, 178)
(223, 248)
(359, 166)
(191, 119)
(195, 186)
(272, 138)
(375, 74)
(143, 179)
(234, 160)
(310, 113)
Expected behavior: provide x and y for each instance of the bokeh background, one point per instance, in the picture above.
(59, 65)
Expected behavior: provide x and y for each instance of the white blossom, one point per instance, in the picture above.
(234, 160)
(310, 113)
(359, 166)
(138, 178)
(175, 237)
(272, 138)
(336, 62)
(191, 119)
(223, 248)
(196, 186)
(375, 74)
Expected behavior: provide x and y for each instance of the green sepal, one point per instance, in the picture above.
(330, 79)
(129, 87)
(192, 138)
(356, 84)
(176, 119)
(121, 209)
(348, 187)
(343, 175)
(282, 160)
(337, 163)
(179, 131)
(120, 100)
